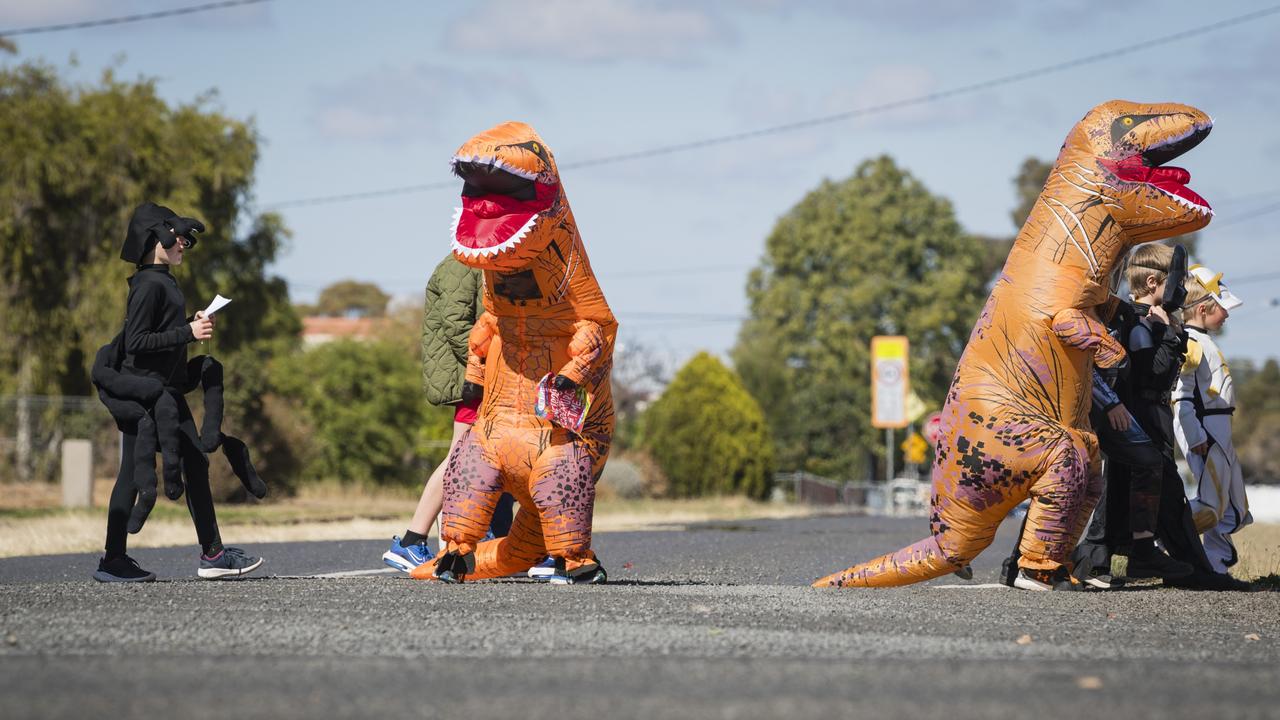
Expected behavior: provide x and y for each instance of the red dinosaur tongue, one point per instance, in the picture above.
(490, 220)
(1172, 180)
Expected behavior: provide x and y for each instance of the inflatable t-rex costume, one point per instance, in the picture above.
(1015, 420)
(544, 315)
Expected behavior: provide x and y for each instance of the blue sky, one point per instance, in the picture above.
(357, 96)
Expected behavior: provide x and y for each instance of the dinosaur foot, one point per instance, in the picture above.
(453, 568)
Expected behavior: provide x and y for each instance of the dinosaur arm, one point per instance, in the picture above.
(1082, 330)
(586, 347)
(478, 347)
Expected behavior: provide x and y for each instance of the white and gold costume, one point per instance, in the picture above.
(1204, 399)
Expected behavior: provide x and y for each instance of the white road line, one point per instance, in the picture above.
(979, 586)
(345, 573)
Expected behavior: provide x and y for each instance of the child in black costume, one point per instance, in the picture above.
(150, 367)
(1144, 498)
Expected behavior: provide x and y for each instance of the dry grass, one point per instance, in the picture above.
(31, 522)
(1259, 546)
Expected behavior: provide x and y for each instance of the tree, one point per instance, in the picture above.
(708, 434)
(362, 404)
(639, 374)
(349, 297)
(77, 160)
(875, 254)
(1027, 186)
(1256, 429)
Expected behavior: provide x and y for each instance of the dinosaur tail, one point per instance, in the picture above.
(915, 563)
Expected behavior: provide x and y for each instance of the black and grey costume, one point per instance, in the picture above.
(142, 376)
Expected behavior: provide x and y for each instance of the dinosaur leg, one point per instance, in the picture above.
(1061, 500)
(518, 551)
(564, 492)
(472, 486)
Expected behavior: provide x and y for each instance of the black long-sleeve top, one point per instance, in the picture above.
(1156, 352)
(156, 331)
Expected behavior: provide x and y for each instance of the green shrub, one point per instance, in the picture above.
(363, 405)
(708, 434)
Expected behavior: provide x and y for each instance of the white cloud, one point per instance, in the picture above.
(603, 30)
(403, 104)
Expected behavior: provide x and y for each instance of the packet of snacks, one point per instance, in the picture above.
(566, 408)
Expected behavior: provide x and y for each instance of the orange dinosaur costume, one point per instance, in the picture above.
(544, 315)
(1014, 424)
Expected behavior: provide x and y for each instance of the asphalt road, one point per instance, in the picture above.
(715, 621)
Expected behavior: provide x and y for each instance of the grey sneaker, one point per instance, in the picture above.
(231, 562)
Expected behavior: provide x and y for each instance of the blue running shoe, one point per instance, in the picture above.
(543, 570)
(406, 559)
(232, 562)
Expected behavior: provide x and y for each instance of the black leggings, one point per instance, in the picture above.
(195, 470)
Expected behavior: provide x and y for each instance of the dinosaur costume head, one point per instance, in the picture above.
(1115, 157)
(513, 207)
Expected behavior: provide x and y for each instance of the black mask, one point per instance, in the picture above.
(1175, 291)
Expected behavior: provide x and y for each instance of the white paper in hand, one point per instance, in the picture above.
(218, 303)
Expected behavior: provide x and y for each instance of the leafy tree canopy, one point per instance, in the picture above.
(874, 254)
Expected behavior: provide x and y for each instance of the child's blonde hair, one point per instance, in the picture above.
(1147, 259)
(1197, 297)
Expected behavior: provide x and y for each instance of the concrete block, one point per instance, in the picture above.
(77, 473)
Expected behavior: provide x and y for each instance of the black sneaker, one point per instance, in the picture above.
(1156, 564)
(578, 572)
(121, 568)
(231, 562)
(1214, 582)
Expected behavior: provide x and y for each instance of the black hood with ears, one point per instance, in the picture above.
(151, 224)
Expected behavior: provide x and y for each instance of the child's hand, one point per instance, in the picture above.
(1202, 449)
(1158, 313)
(1118, 416)
(202, 327)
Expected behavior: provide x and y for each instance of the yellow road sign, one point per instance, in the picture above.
(889, 382)
(913, 448)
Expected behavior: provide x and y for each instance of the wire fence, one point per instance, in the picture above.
(903, 497)
(32, 428)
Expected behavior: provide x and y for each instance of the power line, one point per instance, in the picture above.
(123, 19)
(1253, 278)
(1264, 210)
(825, 119)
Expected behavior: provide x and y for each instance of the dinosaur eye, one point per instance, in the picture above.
(1128, 122)
(537, 149)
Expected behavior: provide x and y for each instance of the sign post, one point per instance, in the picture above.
(889, 389)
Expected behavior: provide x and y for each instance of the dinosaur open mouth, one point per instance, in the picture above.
(1148, 167)
(500, 206)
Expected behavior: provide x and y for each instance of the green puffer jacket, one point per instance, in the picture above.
(454, 300)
